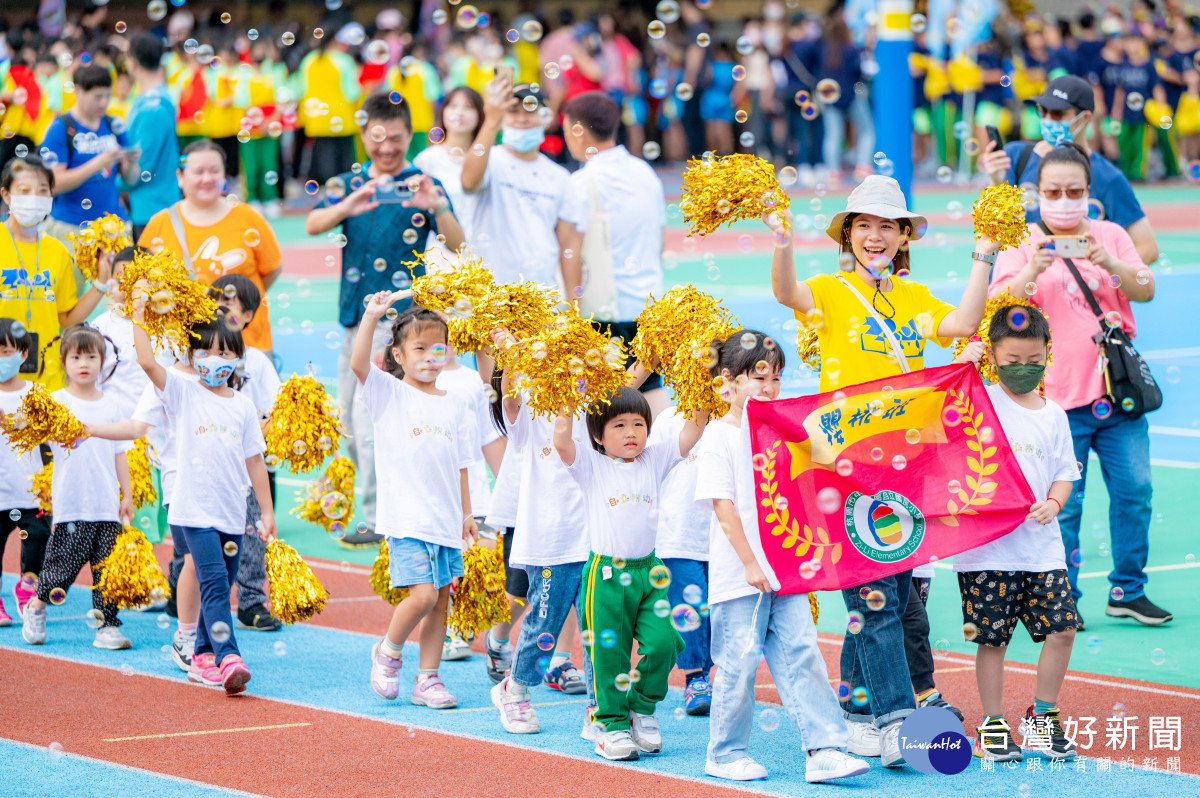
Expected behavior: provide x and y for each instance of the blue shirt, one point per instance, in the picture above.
(1109, 186)
(99, 192)
(152, 128)
(1140, 79)
(992, 92)
(379, 234)
(1181, 63)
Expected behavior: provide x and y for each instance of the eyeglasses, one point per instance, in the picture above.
(1057, 193)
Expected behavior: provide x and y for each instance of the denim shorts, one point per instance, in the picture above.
(415, 562)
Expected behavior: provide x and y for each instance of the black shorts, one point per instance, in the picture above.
(626, 330)
(993, 601)
(516, 581)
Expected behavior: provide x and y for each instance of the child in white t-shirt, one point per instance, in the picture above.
(1023, 575)
(422, 450)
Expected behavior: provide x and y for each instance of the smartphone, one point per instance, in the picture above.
(393, 193)
(505, 70)
(1069, 246)
(993, 134)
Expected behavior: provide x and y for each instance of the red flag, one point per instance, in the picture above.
(24, 78)
(881, 477)
(194, 96)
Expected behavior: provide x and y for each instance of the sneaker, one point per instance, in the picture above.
(385, 670)
(1045, 734)
(183, 646)
(936, 700)
(497, 660)
(1141, 609)
(828, 764)
(23, 591)
(204, 671)
(5, 618)
(889, 745)
(258, 618)
(516, 715)
(455, 649)
(110, 637)
(33, 626)
(591, 729)
(744, 769)
(430, 692)
(234, 674)
(1079, 619)
(360, 540)
(995, 742)
(172, 608)
(617, 746)
(566, 679)
(697, 697)
(645, 733)
(864, 739)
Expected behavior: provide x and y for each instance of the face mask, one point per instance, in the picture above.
(1020, 378)
(522, 139)
(9, 366)
(29, 209)
(1056, 132)
(1065, 213)
(215, 370)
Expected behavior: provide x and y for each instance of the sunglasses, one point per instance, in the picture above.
(1057, 193)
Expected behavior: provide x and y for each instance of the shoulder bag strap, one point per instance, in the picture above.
(896, 350)
(181, 234)
(1023, 161)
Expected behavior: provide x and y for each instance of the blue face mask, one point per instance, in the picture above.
(1056, 132)
(9, 366)
(522, 139)
(215, 370)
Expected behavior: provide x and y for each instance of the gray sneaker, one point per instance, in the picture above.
(110, 637)
(33, 626)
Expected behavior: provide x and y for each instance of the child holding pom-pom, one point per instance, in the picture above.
(422, 450)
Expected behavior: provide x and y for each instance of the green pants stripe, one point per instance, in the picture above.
(260, 156)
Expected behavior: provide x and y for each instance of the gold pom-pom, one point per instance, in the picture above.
(129, 575)
(987, 369)
(305, 426)
(174, 301)
(140, 475)
(523, 309)
(814, 607)
(999, 214)
(296, 593)
(329, 501)
(381, 578)
(106, 234)
(719, 191)
(677, 333)
(808, 346)
(41, 418)
(567, 365)
(479, 600)
(41, 488)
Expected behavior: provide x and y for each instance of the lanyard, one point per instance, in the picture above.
(36, 255)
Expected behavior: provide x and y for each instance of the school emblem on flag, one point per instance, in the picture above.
(885, 528)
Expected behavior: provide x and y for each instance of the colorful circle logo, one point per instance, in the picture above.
(886, 527)
(932, 741)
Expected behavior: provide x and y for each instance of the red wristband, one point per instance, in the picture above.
(1056, 501)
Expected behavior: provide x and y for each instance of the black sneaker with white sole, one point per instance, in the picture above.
(360, 540)
(258, 618)
(995, 742)
(1045, 734)
(1141, 609)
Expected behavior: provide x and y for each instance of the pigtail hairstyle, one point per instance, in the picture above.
(81, 338)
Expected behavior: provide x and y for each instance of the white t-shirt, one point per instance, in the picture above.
(550, 521)
(1041, 440)
(128, 381)
(84, 486)
(631, 196)
(16, 471)
(505, 495)
(682, 523)
(520, 203)
(150, 410)
(725, 472)
(465, 386)
(437, 162)
(621, 498)
(262, 380)
(422, 442)
(214, 436)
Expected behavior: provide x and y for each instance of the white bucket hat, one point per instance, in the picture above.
(879, 196)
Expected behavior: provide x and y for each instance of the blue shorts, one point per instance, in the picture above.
(415, 562)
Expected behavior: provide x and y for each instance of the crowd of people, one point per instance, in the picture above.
(419, 144)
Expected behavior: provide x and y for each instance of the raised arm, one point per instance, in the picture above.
(564, 444)
(498, 98)
(787, 289)
(964, 320)
(360, 356)
(145, 351)
(689, 436)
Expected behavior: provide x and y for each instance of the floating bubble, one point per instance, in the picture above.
(608, 638)
(1157, 656)
(860, 696)
(662, 608)
(660, 576)
(685, 618)
(854, 622)
(876, 453)
(1093, 645)
(219, 632)
(1118, 710)
(899, 462)
(768, 720)
(230, 548)
(58, 596)
(622, 682)
(56, 749)
(1102, 408)
(94, 618)
(876, 600)
(545, 641)
(684, 92)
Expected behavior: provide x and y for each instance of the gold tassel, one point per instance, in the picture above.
(808, 346)
(296, 593)
(740, 186)
(106, 234)
(140, 474)
(40, 488)
(39, 419)
(174, 301)
(814, 606)
(999, 214)
(129, 575)
(479, 600)
(987, 369)
(305, 426)
(329, 501)
(381, 578)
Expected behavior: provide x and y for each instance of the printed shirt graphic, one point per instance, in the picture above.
(37, 282)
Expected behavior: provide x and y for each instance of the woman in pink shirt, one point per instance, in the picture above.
(1116, 276)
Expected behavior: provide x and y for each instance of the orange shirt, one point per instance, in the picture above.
(241, 243)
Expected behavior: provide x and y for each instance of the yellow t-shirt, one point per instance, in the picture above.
(865, 355)
(37, 283)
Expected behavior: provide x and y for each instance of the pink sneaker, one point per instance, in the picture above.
(204, 671)
(23, 591)
(5, 618)
(430, 692)
(234, 674)
(385, 673)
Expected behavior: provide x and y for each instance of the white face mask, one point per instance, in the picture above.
(30, 209)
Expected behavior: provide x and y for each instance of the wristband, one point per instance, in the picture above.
(1056, 501)
(986, 258)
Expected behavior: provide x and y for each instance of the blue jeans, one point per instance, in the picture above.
(874, 658)
(1123, 446)
(696, 655)
(781, 628)
(215, 571)
(553, 590)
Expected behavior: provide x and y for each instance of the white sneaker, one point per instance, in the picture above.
(455, 649)
(830, 763)
(889, 743)
(110, 637)
(591, 729)
(33, 626)
(516, 714)
(864, 739)
(744, 769)
(644, 730)
(616, 745)
(183, 648)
